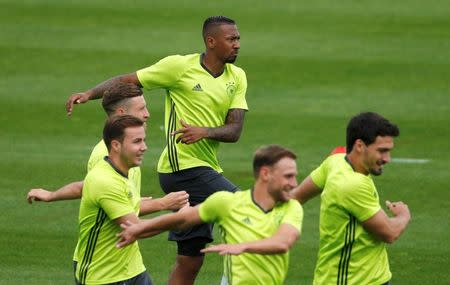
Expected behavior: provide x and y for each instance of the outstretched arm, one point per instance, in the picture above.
(305, 191)
(180, 220)
(97, 91)
(172, 201)
(389, 229)
(281, 242)
(67, 192)
(229, 132)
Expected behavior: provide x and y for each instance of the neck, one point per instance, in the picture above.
(355, 161)
(262, 198)
(212, 63)
(118, 164)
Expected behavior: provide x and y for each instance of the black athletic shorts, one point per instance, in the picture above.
(199, 183)
(140, 279)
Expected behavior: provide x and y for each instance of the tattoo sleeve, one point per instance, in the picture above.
(231, 131)
(97, 91)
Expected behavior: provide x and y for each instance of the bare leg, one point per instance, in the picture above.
(185, 270)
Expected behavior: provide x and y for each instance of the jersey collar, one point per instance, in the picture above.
(206, 68)
(257, 205)
(106, 158)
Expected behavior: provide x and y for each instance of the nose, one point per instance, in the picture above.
(294, 182)
(146, 114)
(236, 44)
(387, 157)
(144, 147)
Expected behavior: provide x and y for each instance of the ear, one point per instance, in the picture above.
(210, 42)
(359, 145)
(120, 111)
(264, 173)
(115, 146)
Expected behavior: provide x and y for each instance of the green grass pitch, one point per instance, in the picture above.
(310, 66)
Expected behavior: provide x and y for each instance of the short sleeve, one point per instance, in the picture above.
(239, 101)
(294, 215)
(216, 207)
(360, 199)
(163, 74)
(112, 197)
(319, 175)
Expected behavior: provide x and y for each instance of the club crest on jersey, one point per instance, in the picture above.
(231, 89)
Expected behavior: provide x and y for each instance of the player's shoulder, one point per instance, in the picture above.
(292, 205)
(234, 69)
(103, 174)
(222, 195)
(182, 59)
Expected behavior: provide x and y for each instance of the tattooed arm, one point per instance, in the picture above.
(229, 132)
(97, 91)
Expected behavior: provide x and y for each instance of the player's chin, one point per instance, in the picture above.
(376, 172)
(231, 59)
(138, 160)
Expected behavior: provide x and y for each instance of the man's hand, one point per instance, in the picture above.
(222, 249)
(77, 98)
(399, 209)
(39, 194)
(128, 235)
(190, 134)
(175, 200)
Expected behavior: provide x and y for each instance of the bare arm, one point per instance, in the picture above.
(129, 218)
(229, 132)
(389, 229)
(97, 91)
(180, 220)
(67, 192)
(306, 190)
(172, 201)
(280, 242)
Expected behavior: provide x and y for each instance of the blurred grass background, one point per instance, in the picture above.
(311, 65)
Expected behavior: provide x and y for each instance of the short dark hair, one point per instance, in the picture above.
(115, 128)
(269, 156)
(215, 21)
(367, 127)
(116, 94)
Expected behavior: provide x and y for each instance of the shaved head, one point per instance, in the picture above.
(212, 23)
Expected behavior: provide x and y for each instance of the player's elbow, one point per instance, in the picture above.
(389, 237)
(283, 248)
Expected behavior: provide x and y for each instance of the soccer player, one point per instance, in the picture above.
(205, 105)
(354, 229)
(258, 226)
(110, 198)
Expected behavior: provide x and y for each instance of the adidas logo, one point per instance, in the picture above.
(197, 88)
(247, 221)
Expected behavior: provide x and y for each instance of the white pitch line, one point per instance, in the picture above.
(410, 160)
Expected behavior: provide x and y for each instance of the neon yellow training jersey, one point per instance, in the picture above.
(240, 220)
(348, 254)
(107, 195)
(197, 97)
(97, 154)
